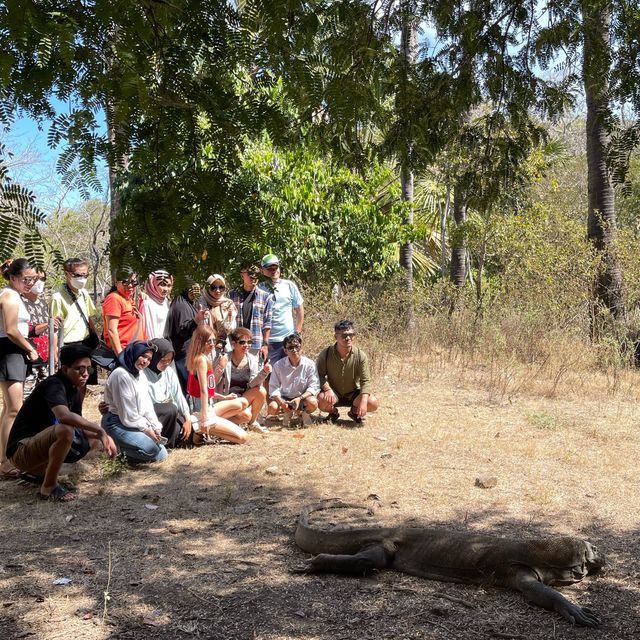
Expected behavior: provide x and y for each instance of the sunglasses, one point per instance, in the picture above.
(272, 267)
(78, 275)
(243, 342)
(82, 370)
(212, 342)
(129, 283)
(28, 280)
(251, 274)
(347, 336)
(217, 287)
(293, 348)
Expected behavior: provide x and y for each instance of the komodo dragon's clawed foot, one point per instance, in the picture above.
(304, 567)
(580, 615)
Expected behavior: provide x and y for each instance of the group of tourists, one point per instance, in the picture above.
(193, 369)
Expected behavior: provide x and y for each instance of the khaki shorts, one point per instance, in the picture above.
(32, 454)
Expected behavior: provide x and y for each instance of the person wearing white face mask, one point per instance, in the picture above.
(36, 305)
(72, 303)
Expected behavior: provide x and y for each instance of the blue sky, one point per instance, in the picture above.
(34, 164)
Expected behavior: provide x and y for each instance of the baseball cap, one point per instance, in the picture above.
(269, 260)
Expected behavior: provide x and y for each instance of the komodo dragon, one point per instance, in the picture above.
(465, 557)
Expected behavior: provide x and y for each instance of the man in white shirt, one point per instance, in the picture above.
(294, 383)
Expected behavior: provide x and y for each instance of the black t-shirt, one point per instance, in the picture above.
(36, 415)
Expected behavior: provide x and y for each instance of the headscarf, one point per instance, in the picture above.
(222, 301)
(130, 354)
(164, 347)
(151, 285)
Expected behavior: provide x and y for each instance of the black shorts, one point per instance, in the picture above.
(348, 400)
(13, 367)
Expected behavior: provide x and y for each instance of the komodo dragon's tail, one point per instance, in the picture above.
(337, 540)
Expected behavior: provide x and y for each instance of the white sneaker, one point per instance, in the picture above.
(257, 427)
(307, 420)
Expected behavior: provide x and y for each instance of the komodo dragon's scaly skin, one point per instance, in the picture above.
(526, 565)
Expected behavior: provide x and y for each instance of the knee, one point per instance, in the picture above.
(64, 433)
(372, 403)
(262, 393)
(273, 408)
(311, 404)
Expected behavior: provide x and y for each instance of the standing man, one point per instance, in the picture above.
(73, 304)
(50, 430)
(286, 303)
(254, 309)
(345, 378)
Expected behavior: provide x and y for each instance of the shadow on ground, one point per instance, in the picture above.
(192, 554)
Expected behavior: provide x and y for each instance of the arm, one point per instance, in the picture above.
(323, 377)
(201, 374)
(526, 581)
(299, 311)
(112, 330)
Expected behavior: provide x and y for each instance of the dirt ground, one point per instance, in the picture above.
(202, 546)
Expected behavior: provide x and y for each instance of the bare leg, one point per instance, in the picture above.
(11, 402)
(225, 429)
(229, 408)
(256, 397)
(57, 453)
(323, 403)
(310, 404)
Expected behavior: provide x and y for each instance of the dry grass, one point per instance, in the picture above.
(213, 559)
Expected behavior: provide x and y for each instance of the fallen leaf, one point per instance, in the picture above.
(298, 436)
(381, 438)
(69, 518)
(62, 581)
(345, 449)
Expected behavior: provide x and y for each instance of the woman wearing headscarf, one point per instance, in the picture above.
(130, 419)
(154, 303)
(222, 309)
(169, 402)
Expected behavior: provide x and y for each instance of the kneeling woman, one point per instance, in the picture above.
(243, 376)
(130, 419)
(169, 402)
(201, 388)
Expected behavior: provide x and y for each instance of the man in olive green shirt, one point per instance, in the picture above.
(345, 378)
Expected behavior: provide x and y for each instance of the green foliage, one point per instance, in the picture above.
(325, 222)
(20, 218)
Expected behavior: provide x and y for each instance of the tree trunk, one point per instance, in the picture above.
(601, 224)
(458, 248)
(408, 55)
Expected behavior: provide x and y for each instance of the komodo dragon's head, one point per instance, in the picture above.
(568, 560)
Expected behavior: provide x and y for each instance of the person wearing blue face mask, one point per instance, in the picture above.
(73, 304)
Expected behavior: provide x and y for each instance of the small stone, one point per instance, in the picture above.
(271, 471)
(486, 482)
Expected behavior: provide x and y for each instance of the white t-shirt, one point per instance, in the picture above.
(23, 315)
(155, 317)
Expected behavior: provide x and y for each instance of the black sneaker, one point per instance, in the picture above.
(354, 416)
(334, 416)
